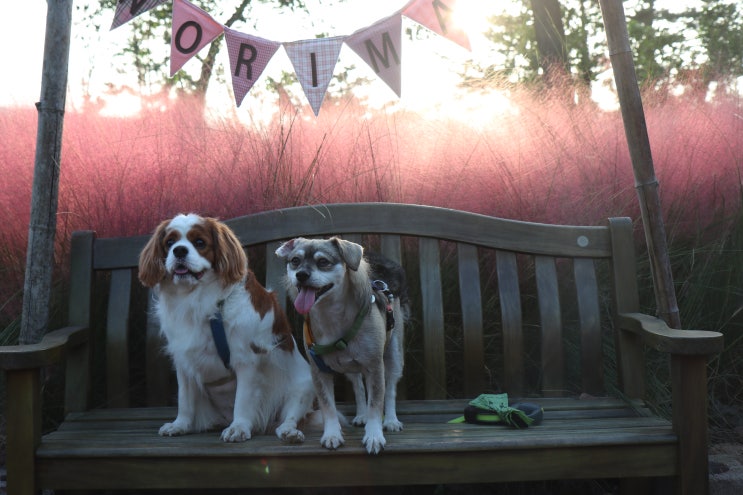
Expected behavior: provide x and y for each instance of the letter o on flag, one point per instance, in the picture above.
(197, 39)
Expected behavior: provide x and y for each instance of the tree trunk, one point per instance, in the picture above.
(550, 34)
(43, 225)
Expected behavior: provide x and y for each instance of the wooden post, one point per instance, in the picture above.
(45, 193)
(646, 183)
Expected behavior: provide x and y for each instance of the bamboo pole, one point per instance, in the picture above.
(646, 183)
(43, 224)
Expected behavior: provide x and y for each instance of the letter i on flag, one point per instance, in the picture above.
(437, 15)
(314, 62)
(126, 10)
(193, 29)
(249, 56)
(379, 46)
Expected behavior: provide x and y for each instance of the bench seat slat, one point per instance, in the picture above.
(114, 434)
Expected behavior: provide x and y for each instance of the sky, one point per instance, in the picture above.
(91, 71)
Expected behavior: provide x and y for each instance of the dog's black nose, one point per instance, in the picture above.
(180, 251)
(303, 276)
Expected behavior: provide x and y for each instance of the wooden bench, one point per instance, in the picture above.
(543, 312)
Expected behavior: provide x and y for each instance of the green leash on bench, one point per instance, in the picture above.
(494, 409)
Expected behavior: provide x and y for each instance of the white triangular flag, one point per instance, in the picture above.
(379, 46)
(314, 61)
(249, 56)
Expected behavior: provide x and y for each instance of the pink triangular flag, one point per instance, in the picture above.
(193, 29)
(126, 10)
(379, 46)
(436, 15)
(249, 56)
(314, 61)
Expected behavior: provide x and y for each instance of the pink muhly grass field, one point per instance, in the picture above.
(550, 161)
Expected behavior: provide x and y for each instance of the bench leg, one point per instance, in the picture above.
(24, 429)
(689, 382)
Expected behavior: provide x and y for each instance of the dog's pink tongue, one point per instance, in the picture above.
(305, 299)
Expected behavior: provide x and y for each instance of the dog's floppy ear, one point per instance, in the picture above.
(350, 252)
(285, 249)
(152, 257)
(231, 262)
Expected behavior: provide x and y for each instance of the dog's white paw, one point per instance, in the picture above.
(392, 424)
(173, 429)
(359, 420)
(289, 434)
(331, 442)
(374, 442)
(236, 432)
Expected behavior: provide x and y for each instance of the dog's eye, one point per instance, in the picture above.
(169, 243)
(199, 244)
(295, 261)
(323, 263)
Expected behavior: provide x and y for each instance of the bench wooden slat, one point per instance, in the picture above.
(513, 339)
(628, 347)
(275, 273)
(471, 306)
(353, 468)
(391, 248)
(586, 287)
(433, 319)
(159, 369)
(117, 339)
(77, 383)
(553, 361)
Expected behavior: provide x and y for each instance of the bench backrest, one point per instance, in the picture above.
(497, 305)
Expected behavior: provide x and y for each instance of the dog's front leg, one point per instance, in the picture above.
(332, 436)
(359, 393)
(247, 400)
(187, 396)
(374, 438)
(393, 364)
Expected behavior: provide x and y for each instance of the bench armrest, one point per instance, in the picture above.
(655, 333)
(50, 350)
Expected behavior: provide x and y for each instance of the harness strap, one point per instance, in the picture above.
(340, 344)
(219, 336)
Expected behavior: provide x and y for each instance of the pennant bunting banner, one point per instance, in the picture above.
(126, 10)
(314, 61)
(193, 29)
(437, 15)
(249, 55)
(380, 47)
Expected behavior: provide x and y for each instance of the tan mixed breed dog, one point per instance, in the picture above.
(347, 330)
(201, 279)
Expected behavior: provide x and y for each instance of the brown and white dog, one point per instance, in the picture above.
(346, 331)
(201, 278)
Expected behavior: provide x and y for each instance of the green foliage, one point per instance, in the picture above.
(666, 44)
(720, 26)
